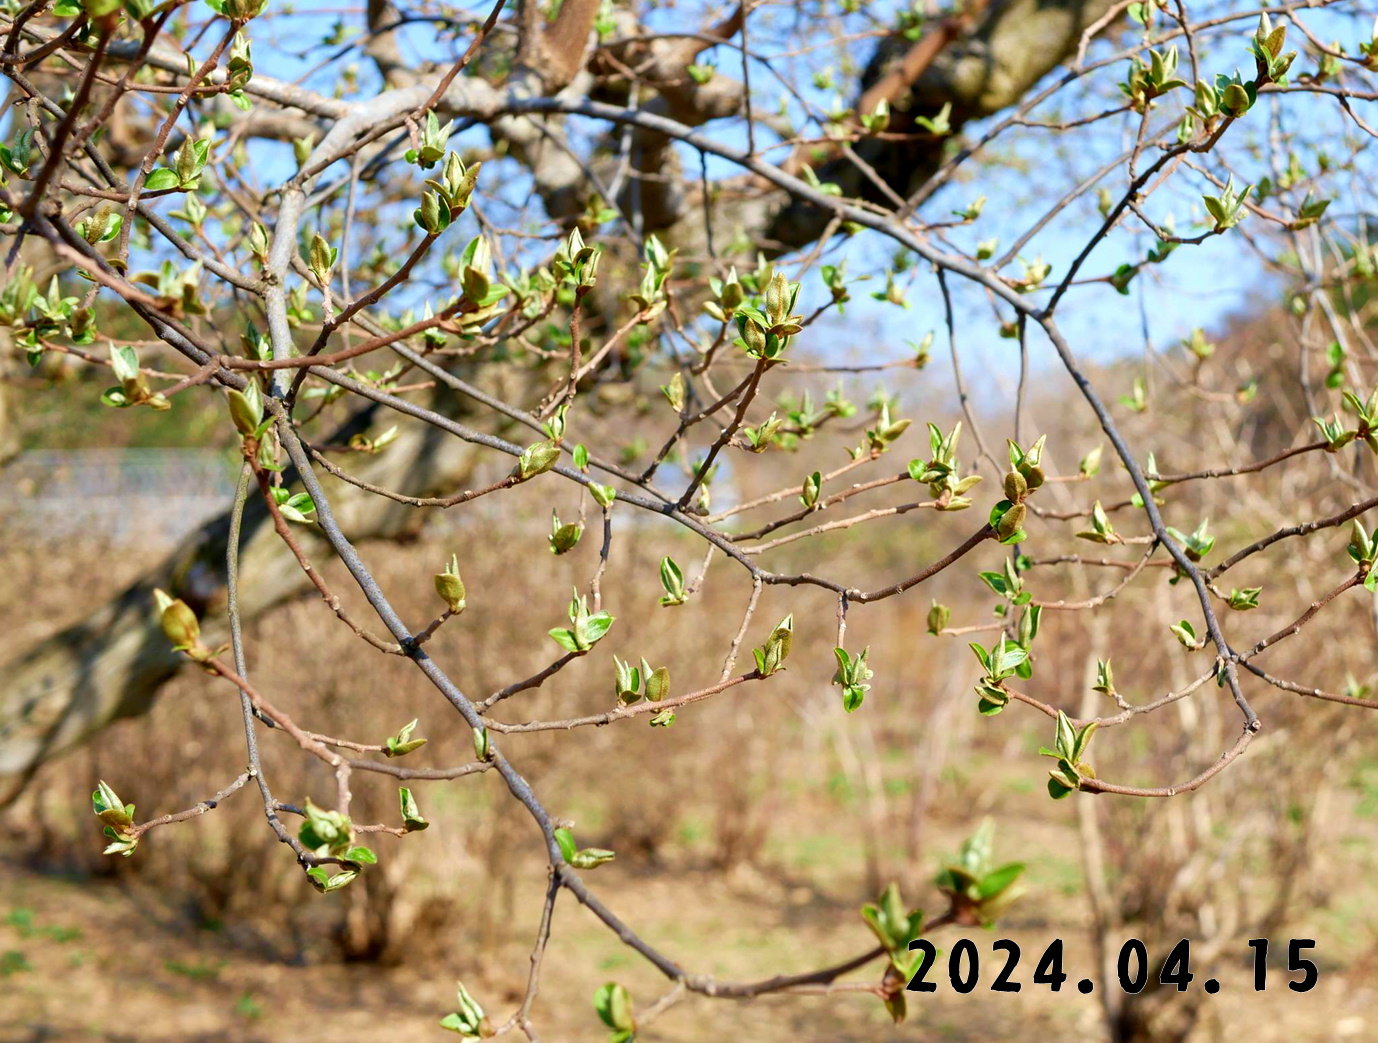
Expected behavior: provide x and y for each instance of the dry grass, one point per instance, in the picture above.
(748, 834)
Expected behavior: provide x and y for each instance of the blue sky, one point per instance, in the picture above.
(1198, 286)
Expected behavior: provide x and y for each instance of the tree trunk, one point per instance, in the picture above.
(112, 663)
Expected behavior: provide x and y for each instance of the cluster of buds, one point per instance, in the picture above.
(133, 389)
(1025, 475)
(1270, 62)
(852, 674)
(469, 1020)
(446, 197)
(765, 335)
(117, 819)
(1071, 746)
(577, 262)
(895, 926)
(585, 629)
(1000, 663)
(771, 656)
(729, 294)
(978, 891)
(1148, 81)
(330, 834)
(239, 71)
(650, 296)
(942, 471)
(629, 679)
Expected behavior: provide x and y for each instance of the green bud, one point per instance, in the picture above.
(771, 656)
(112, 811)
(475, 278)
(178, 621)
(674, 392)
(432, 216)
(657, 683)
(301, 148)
(732, 295)
(412, 819)
(591, 857)
(321, 258)
(450, 587)
(537, 458)
(402, 743)
(1011, 521)
(627, 682)
(469, 1020)
(1235, 100)
(246, 408)
(563, 538)
(755, 338)
(1016, 486)
(614, 1006)
(1090, 463)
(268, 447)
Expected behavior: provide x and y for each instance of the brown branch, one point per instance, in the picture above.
(1241, 744)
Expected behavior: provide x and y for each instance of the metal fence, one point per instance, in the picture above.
(113, 497)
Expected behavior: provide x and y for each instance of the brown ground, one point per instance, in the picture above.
(95, 960)
(112, 953)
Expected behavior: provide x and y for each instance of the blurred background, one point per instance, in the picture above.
(749, 834)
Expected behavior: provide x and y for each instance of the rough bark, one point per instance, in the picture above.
(1017, 44)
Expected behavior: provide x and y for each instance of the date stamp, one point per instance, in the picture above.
(1132, 967)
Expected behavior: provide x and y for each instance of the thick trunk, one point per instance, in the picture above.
(1016, 45)
(112, 663)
